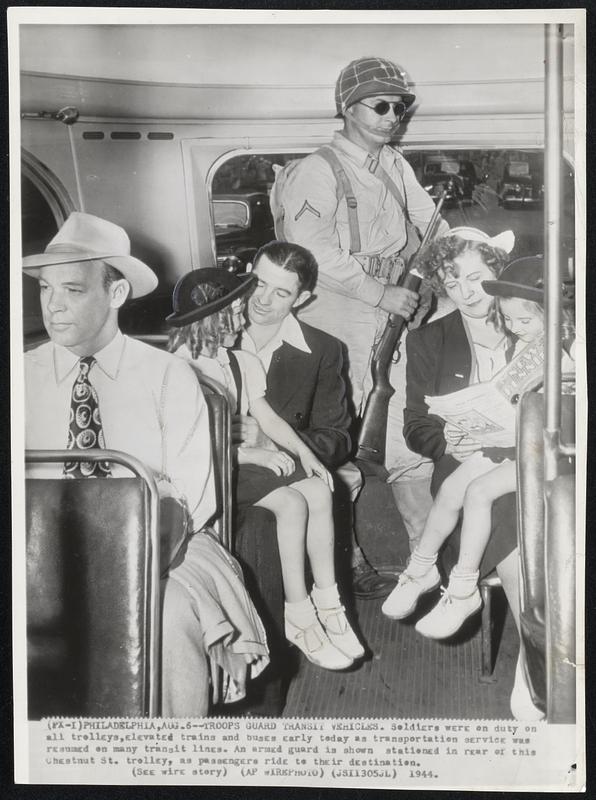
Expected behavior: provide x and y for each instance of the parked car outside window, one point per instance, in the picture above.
(457, 176)
(243, 223)
(520, 186)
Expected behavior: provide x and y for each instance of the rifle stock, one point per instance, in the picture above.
(373, 430)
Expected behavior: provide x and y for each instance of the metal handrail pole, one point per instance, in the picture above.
(553, 121)
(553, 278)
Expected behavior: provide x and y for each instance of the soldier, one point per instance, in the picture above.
(359, 255)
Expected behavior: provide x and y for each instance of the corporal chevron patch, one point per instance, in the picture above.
(307, 207)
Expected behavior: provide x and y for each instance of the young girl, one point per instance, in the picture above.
(477, 483)
(208, 306)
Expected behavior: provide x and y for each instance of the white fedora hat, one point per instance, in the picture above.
(84, 237)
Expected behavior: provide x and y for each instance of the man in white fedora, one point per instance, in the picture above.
(91, 386)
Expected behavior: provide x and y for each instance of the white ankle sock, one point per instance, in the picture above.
(463, 581)
(326, 598)
(419, 564)
(301, 613)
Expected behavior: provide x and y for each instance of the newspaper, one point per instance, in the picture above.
(131, 73)
(486, 411)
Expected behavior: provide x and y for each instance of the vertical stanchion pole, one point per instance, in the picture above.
(553, 124)
(553, 134)
(69, 115)
(75, 162)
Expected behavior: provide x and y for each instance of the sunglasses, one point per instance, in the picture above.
(382, 107)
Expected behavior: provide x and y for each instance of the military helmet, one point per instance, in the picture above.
(366, 77)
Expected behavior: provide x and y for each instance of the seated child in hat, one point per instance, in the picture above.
(208, 317)
(482, 478)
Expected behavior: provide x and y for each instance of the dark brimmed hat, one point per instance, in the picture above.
(366, 77)
(524, 278)
(87, 238)
(190, 301)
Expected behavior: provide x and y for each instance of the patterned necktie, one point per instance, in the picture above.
(85, 429)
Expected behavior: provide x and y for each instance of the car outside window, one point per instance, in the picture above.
(517, 168)
(229, 214)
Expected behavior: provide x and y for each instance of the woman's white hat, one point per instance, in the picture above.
(504, 241)
(84, 237)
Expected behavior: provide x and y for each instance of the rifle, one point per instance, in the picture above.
(373, 431)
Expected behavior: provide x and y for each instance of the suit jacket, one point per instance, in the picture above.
(439, 362)
(308, 391)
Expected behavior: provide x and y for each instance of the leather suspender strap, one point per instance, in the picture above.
(344, 190)
(237, 375)
(379, 172)
(413, 239)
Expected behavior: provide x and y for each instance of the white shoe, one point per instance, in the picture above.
(521, 703)
(338, 629)
(316, 646)
(449, 615)
(404, 598)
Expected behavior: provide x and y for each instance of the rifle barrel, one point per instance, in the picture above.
(429, 232)
(371, 441)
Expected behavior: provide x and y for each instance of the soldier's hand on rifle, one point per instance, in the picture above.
(247, 431)
(424, 306)
(459, 444)
(312, 466)
(397, 300)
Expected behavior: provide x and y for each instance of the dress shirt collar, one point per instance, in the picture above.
(108, 358)
(289, 331)
(359, 155)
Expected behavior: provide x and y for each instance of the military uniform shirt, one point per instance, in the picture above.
(315, 219)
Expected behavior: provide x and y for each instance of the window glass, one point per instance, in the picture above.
(493, 190)
(240, 201)
(38, 226)
(249, 173)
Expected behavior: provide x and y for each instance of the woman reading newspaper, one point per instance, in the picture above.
(465, 347)
(487, 474)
